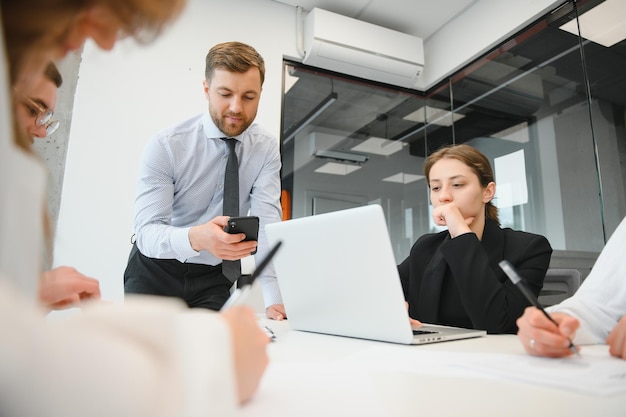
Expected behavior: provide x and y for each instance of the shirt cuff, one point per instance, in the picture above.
(271, 292)
(179, 241)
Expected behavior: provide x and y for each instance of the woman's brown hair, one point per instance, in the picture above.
(474, 159)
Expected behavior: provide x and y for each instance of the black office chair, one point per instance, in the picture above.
(558, 285)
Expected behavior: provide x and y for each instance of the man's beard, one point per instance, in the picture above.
(228, 130)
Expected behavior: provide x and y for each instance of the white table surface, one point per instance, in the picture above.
(321, 375)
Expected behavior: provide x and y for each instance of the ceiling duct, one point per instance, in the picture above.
(310, 117)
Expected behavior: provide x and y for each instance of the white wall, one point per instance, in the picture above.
(124, 96)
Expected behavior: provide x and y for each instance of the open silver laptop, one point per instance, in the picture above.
(338, 275)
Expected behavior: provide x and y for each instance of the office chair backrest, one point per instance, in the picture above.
(558, 285)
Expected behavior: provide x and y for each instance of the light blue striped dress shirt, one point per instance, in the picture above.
(180, 185)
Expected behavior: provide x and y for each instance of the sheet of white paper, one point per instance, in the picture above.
(594, 372)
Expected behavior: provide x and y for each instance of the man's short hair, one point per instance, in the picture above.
(233, 57)
(52, 73)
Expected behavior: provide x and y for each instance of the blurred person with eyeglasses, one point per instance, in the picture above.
(35, 111)
(61, 287)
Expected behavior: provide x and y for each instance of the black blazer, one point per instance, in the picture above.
(458, 282)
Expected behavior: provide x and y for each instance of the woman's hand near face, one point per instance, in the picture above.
(449, 215)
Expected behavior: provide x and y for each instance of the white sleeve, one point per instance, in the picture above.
(600, 301)
(148, 357)
(22, 197)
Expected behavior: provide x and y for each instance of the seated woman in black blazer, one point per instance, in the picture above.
(453, 277)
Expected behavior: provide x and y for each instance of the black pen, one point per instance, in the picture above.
(510, 271)
(240, 295)
(270, 333)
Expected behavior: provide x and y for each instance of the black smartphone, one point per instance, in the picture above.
(247, 224)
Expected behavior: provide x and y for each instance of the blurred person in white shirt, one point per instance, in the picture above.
(595, 314)
(158, 346)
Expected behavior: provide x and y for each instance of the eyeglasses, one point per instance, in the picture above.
(44, 117)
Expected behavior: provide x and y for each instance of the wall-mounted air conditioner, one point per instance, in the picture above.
(349, 46)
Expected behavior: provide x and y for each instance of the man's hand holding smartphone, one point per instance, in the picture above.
(248, 225)
(211, 237)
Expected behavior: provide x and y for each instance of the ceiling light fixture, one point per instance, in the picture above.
(341, 156)
(379, 146)
(433, 115)
(604, 24)
(403, 178)
(334, 168)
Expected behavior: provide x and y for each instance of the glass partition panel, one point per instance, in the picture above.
(340, 150)
(603, 53)
(531, 96)
(552, 127)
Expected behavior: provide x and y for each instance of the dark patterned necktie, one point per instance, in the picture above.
(231, 269)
